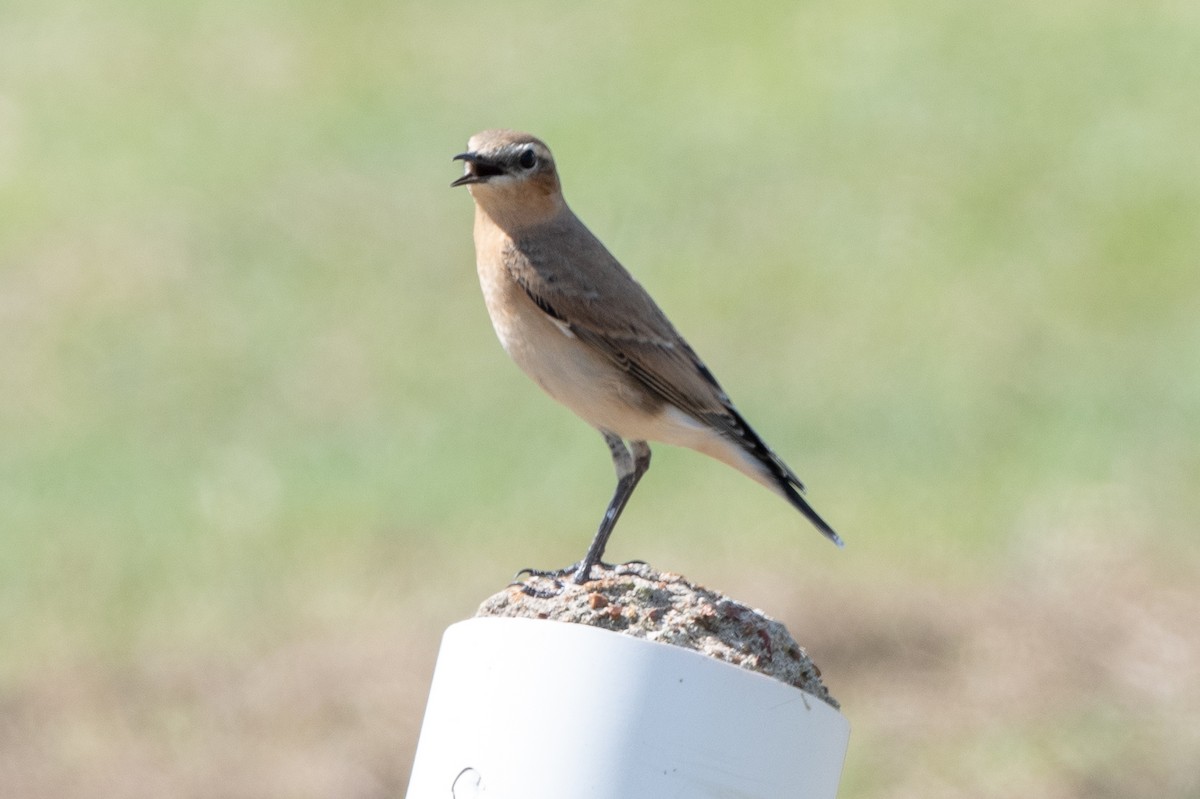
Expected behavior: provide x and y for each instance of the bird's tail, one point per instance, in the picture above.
(775, 474)
(801, 504)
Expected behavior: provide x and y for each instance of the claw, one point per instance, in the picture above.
(553, 574)
(574, 571)
(541, 593)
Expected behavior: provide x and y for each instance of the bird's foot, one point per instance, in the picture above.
(580, 578)
(538, 592)
(526, 578)
(553, 574)
(575, 572)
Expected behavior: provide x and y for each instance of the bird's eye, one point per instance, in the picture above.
(527, 159)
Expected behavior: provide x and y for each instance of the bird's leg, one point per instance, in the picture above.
(630, 468)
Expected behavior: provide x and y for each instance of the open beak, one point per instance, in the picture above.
(478, 169)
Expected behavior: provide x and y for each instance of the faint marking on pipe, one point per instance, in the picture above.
(462, 783)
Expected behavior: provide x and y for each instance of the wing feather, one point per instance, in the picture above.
(605, 308)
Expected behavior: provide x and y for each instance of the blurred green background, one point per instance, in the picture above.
(259, 446)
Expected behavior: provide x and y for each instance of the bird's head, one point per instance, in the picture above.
(509, 172)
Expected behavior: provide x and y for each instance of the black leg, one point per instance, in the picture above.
(630, 468)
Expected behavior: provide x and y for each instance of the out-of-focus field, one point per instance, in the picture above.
(258, 445)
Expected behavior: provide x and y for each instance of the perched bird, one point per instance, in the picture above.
(586, 332)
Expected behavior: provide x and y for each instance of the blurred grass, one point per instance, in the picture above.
(944, 256)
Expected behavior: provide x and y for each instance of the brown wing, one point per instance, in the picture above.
(572, 277)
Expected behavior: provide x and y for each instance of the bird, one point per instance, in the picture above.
(578, 323)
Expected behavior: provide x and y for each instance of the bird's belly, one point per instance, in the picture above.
(591, 386)
(567, 369)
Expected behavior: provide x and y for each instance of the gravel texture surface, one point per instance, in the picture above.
(636, 600)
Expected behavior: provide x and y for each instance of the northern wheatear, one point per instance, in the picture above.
(586, 332)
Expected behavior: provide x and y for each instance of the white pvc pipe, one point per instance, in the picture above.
(534, 709)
